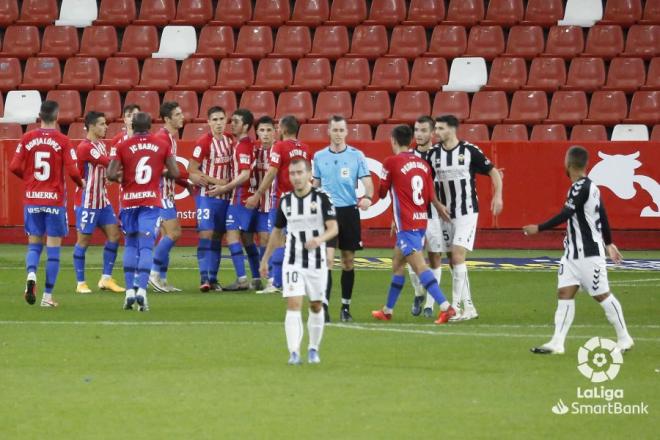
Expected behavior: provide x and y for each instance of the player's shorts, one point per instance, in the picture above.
(263, 222)
(88, 219)
(349, 237)
(140, 219)
(434, 240)
(45, 220)
(240, 218)
(460, 231)
(211, 213)
(410, 241)
(297, 281)
(590, 273)
(168, 210)
(272, 216)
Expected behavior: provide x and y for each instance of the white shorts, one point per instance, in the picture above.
(589, 273)
(297, 281)
(459, 232)
(434, 235)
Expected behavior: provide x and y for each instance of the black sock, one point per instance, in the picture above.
(328, 287)
(347, 282)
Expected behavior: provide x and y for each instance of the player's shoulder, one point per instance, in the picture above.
(582, 184)
(322, 152)
(354, 151)
(204, 140)
(320, 191)
(471, 147)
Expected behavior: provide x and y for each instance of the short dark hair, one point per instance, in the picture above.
(450, 120)
(264, 120)
(308, 164)
(403, 135)
(336, 118)
(141, 122)
(92, 117)
(577, 157)
(167, 107)
(215, 109)
(246, 116)
(128, 108)
(426, 119)
(289, 125)
(48, 111)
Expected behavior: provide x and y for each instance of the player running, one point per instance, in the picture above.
(92, 207)
(583, 264)
(40, 159)
(309, 218)
(143, 158)
(408, 179)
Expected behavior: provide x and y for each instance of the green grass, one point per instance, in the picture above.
(214, 365)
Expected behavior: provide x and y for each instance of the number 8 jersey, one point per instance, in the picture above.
(408, 178)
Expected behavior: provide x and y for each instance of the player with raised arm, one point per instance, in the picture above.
(40, 160)
(92, 207)
(409, 181)
(309, 217)
(588, 238)
(143, 158)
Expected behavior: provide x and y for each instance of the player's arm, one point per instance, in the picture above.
(253, 200)
(385, 180)
(576, 197)
(330, 220)
(482, 165)
(172, 168)
(497, 203)
(437, 204)
(605, 230)
(365, 176)
(92, 155)
(18, 161)
(71, 165)
(274, 241)
(316, 174)
(240, 179)
(113, 170)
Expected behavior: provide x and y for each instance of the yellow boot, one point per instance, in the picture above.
(83, 288)
(111, 285)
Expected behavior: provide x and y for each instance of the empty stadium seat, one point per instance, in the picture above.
(544, 12)
(504, 12)
(624, 12)
(309, 13)
(347, 12)
(607, 107)
(254, 42)
(271, 12)
(473, 132)
(369, 42)
(99, 42)
(387, 12)
(120, 73)
(653, 77)
(525, 41)
(509, 132)
(528, 107)
(488, 107)
(8, 12)
(196, 74)
(584, 13)
(215, 42)
(317, 132)
(485, 41)
(298, 104)
(178, 42)
(408, 42)
(232, 13)
(655, 134)
(10, 74)
(22, 106)
(644, 108)
(21, 42)
(223, 98)
(148, 100)
(428, 74)
(116, 12)
(546, 74)
(371, 107)
(548, 132)
(507, 74)
(642, 41)
(358, 133)
(350, 74)
(106, 101)
(425, 13)
(235, 74)
(194, 130)
(36, 125)
(465, 12)
(260, 102)
(10, 130)
(292, 42)
(408, 105)
(330, 103)
(330, 42)
(389, 74)
(70, 106)
(273, 74)
(651, 13)
(467, 74)
(630, 132)
(451, 103)
(139, 41)
(564, 41)
(604, 41)
(77, 131)
(41, 74)
(193, 12)
(81, 73)
(114, 128)
(384, 132)
(585, 74)
(312, 74)
(38, 12)
(78, 13)
(588, 133)
(156, 12)
(626, 74)
(187, 100)
(567, 107)
(60, 42)
(158, 74)
(447, 41)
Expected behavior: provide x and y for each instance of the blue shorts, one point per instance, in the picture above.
(263, 222)
(211, 213)
(240, 218)
(45, 220)
(88, 219)
(410, 241)
(168, 210)
(272, 216)
(141, 219)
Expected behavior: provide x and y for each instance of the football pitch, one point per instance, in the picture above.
(213, 365)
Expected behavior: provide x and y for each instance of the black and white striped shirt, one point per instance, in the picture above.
(304, 218)
(454, 173)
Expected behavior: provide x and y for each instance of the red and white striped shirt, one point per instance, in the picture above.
(92, 163)
(215, 159)
(262, 163)
(243, 157)
(167, 184)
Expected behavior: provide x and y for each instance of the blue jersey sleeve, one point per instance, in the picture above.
(316, 172)
(363, 167)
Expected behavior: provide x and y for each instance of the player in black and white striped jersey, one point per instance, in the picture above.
(310, 221)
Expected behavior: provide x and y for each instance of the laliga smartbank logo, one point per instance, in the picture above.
(600, 361)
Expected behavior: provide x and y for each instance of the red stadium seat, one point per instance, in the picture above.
(105, 101)
(655, 133)
(607, 107)
(485, 41)
(428, 74)
(544, 12)
(309, 13)
(38, 12)
(653, 77)
(8, 12)
(232, 13)
(317, 132)
(509, 132)
(10, 74)
(254, 42)
(215, 41)
(187, 100)
(351, 74)
(644, 108)
(369, 42)
(223, 98)
(425, 13)
(330, 42)
(451, 103)
(148, 100)
(465, 12)
(331, 103)
(120, 73)
(358, 133)
(528, 107)
(139, 41)
(624, 12)
(384, 132)
(10, 130)
(567, 107)
(548, 132)
(193, 12)
(447, 42)
(70, 106)
(81, 73)
(605, 41)
(156, 12)
(116, 12)
(589, 133)
(21, 42)
(196, 74)
(408, 105)
(651, 12)
(642, 41)
(473, 132)
(387, 12)
(546, 74)
(504, 12)
(271, 12)
(298, 104)
(99, 42)
(260, 102)
(408, 42)
(158, 74)
(564, 42)
(273, 74)
(235, 74)
(292, 42)
(389, 74)
(60, 42)
(347, 12)
(626, 74)
(312, 74)
(41, 74)
(507, 74)
(193, 130)
(114, 128)
(488, 108)
(525, 41)
(35, 125)
(585, 74)
(371, 107)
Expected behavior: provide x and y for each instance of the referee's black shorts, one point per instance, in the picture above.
(350, 232)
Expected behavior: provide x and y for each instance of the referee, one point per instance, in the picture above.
(337, 169)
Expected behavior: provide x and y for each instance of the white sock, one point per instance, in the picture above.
(444, 306)
(460, 289)
(437, 273)
(47, 297)
(81, 282)
(130, 293)
(32, 276)
(154, 273)
(105, 277)
(414, 280)
(315, 323)
(142, 292)
(563, 320)
(614, 314)
(293, 327)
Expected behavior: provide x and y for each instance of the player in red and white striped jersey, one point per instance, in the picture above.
(129, 111)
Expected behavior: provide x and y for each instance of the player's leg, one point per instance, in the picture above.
(435, 263)
(258, 225)
(294, 290)
(109, 226)
(277, 259)
(215, 254)
(147, 220)
(35, 228)
(84, 228)
(330, 248)
(349, 241)
(56, 228)
(347, 283)
(315, 283)
(463, 241)
(396, 285)
(171, 234)
(418, 290)
(205, 226)
(430, 283)
(238, 221)
(130, 261)
(263, 236)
